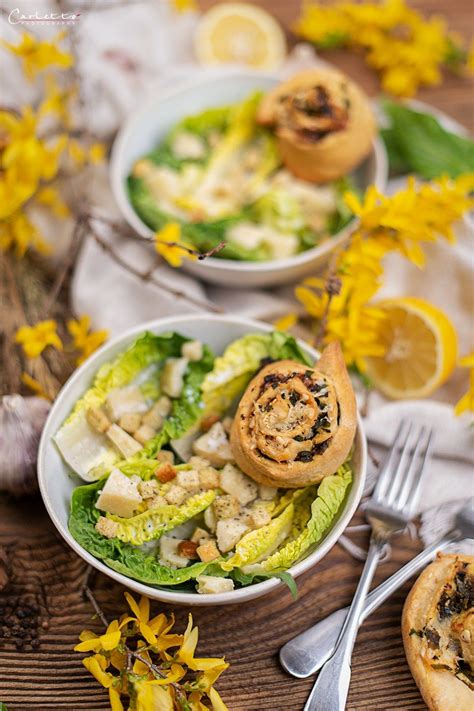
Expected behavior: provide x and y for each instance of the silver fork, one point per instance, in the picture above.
(390, 508)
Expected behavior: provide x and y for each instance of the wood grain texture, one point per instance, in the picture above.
(45, 573)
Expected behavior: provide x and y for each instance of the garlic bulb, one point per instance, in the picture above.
(21, 423)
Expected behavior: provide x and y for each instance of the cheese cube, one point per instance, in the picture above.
(106, 527)
(214, 446)
(130, 422)
(123, 401)
(200, 535)
(210, 518)
(209, 584)
(234, 482)
(229, 532)
(97, 419)
(267, 493)
(120, 495)
(192, 350)
(144, 434)
(172, 377)
(126, 445)
(188, 479)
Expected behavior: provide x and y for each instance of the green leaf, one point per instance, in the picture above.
(122, 557)
(3, 706)
(331, 493)
(416, 142)
(154, 523)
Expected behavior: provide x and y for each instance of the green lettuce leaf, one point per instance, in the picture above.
(260, 543)
(123, 557)
(249, 578)
(151, 525)
(279, 210)
(240, 361)
(88, 452)
(331, 494)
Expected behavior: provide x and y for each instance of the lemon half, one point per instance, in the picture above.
(240, 33)
(421, 349)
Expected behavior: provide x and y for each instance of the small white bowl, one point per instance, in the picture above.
(150, 123)
(57, 482)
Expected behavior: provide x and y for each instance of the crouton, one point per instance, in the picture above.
(226, 506)
(208, 551)
(259, 516)
(176, 495)
(234, 482)
(106, 527)
(166, 472)
(210, 518)
(188, 549)
(156, 416)
(144, 434)
(208, 478)
(229, 532)
(198, 463)
(156, 502)
(227, 424)
(214, 446)
(188, 479)
(211, 584)
(172, 377)
(267, 493)
(165, 456)
(130, 422)
(207, 422)
(97, 419)
(148, 488)
(200, 535)
(192, 350)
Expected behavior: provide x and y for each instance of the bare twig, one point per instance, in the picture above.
(97, 609)
(76, 242)
(152, 279)
(332, 288)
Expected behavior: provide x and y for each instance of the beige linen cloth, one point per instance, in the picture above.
(126, 53)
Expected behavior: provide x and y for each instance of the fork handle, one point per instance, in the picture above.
(306, 653)
(332, 686)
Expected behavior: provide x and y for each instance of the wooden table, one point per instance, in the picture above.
(46, 576)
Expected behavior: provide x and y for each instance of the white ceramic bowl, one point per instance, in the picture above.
(57, 482)
(150, 123)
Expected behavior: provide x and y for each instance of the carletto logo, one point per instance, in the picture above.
(47, 18)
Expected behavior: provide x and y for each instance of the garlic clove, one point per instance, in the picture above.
(21, 423)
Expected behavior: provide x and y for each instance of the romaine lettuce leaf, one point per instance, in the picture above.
(331, 494)
(258, 544)
(240, 361)
(88, 452)
(120, 556)
(152, 524)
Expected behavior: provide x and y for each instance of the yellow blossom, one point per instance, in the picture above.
(105, 642)
(284, 323)
(37, 54)
(50, 197)
(19, 233)
(170, 246)
(406, 49)
(184, 5)
(96, 665)
(35, 386)
(77, 152)
(84, 340)
(96, 153)
(56, 101)
(114, 699)
(34, 339)
(467, 401)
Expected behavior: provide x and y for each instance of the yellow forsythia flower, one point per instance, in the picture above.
(50, 197)
(284, 323)
(34, 385)
(34, 339)
(184, 5)
(37, 54)
(19, 233)
(84, 340)
(96, 153)
(467, 401)
(169, 245)
(407, 49)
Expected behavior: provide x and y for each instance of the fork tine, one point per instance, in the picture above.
(398, 477)
(385, 476)
(413, 483)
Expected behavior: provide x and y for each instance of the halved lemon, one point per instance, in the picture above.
(240, 33)
(421, 349)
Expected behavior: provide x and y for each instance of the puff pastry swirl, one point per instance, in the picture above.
(438, 633)
(295, 424)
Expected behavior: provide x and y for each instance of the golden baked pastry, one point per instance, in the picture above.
(295, 424)
(323, 123)
(438, 633)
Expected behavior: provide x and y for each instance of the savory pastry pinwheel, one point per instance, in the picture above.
(438, 633)
(295, 424)
(323, 123)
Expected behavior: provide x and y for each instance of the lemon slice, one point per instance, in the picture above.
(421, 349)
(240, 33)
